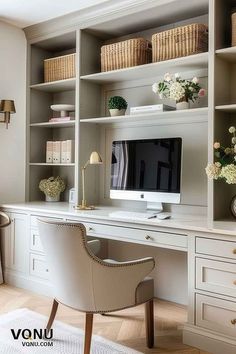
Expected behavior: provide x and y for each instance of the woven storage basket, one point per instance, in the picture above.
(59, 68)
(233, 18)
(125, 54)
(180, 42)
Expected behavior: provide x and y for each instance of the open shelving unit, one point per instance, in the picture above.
(155, 118)
(41, 96)
(55, 86)
(93, 128)
(191, 62)
(70, 123)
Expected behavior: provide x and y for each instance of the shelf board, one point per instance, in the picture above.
(197, 61)
(226, 108)
(70, 123)
(227, 54)
(51, 164)
(56, 86)
(160, 118)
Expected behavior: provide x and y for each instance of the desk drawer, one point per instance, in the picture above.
(216, 314)
(34, 222)
(38, 266)
(138, 235)
(217, 277)
(219, 248)
(35, 242)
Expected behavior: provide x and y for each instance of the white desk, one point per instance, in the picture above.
(211, 261)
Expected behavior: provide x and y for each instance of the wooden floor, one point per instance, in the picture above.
(126, 327)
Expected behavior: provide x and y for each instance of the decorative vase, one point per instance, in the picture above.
(182, 105)
(117, 112)
(52, 199)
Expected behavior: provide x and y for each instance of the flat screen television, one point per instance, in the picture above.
(147, 169)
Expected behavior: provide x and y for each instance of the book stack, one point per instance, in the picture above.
(155, 108)
(60, 152)
(60, 119)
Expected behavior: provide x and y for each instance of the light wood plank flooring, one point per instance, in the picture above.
(126, 327)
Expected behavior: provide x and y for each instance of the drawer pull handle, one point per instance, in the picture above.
(234, 251)
(148, 237)
(90, 229)
(47, 270)
(233, 321)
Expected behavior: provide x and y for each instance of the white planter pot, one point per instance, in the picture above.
(182, 105)
(117, 112)
(52, 199)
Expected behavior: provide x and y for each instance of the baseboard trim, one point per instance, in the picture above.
(208, 341)
(37, 286)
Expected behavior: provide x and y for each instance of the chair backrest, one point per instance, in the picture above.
(70, 262)
(80, 279)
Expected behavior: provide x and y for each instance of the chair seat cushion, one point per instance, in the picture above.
(145, 289)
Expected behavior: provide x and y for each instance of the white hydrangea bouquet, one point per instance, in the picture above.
(225, 166)
(52, 188)
(179, 90)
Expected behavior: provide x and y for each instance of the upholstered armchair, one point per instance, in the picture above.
(86, 283)
(6, 220)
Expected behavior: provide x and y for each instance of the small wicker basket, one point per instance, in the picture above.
(233, 18)
(59, 68)
(125, 54)
(180, 42)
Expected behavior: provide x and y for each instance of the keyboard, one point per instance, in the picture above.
(129, 215)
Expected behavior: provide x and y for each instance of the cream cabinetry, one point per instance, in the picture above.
(211, 264)
(215, 286)
(15, 240)
(136, 235)
(216, 314)
(216, 276)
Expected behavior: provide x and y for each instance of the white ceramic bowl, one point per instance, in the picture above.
(63, 108)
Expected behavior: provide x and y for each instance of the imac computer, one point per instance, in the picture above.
(147, 170)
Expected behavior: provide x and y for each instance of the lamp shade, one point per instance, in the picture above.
(7, 106)
(95, 158)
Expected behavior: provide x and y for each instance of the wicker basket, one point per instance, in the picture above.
(59, 68)
(125, 54)
(180, 42)
(233, 18)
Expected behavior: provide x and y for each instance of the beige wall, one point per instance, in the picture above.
(13, 86)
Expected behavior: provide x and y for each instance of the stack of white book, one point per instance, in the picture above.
(60, 119)
(155, 108)
(60, 152)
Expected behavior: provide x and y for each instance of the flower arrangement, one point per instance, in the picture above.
(52, 187)
(225, 166)
(175, 88)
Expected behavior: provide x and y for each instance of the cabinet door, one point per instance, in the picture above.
(5, 245)
(19, 242)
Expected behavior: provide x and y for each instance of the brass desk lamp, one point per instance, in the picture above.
(95, 159)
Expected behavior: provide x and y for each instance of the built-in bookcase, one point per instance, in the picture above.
(41, 97)
(93, 129)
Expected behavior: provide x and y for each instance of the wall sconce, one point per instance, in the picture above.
(7, 107)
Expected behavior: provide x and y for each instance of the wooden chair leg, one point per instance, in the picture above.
(52, 315)
(149, 318)
(88, 332)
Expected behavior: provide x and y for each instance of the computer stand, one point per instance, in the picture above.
(155, 207)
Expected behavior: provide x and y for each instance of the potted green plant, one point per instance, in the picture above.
(117, 106)
(52, 188)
